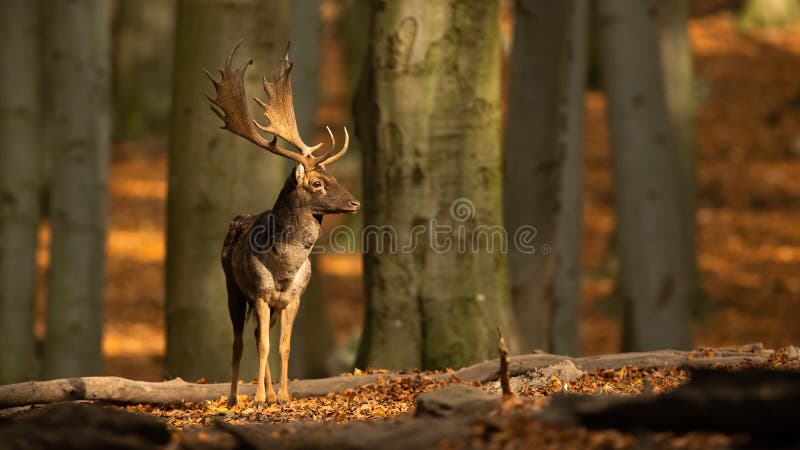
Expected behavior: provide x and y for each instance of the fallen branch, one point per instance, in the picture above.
(122, 390)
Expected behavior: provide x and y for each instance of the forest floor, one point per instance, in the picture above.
(748, 130)
(401, 411)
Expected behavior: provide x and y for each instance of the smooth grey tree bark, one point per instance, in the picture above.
(20, 186)
(78, 76)
(676, 62)
(144, 35)
(213, 176)
(428, 116)
(566, 317)
(534, 171)
(654, 281)
(312, 338)
(355, 14)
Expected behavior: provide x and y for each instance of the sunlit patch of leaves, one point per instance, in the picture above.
(390, 396)
(625, 381)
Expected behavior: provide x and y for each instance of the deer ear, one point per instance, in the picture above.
(299, 173)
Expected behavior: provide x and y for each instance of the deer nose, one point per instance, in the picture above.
(355, 204)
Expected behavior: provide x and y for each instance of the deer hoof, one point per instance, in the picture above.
(283, 397)
(260, 397)
(232, 401)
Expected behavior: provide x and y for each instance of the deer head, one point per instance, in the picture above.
(310, 186)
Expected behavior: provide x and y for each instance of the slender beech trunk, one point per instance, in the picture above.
(312, 339)
(654, 280)
(213, 176)
(535, 150)
(356, 13)
(429, 119)
(20, 129)
(144, 32)
(78, 116)
(676, 61)
(566, 316)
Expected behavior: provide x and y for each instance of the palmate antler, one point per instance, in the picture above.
(230, 105)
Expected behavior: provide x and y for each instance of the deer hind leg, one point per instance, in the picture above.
(287, 321)
(237, 308)
(262, 339)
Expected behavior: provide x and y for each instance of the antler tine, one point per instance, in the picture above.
(335, 157)
(330, 133)
(279, 109)
(230, 105)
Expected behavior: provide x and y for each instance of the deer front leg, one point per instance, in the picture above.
(262, 338)
(287, 321)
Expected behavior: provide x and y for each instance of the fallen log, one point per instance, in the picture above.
(405, 433)
(660, 359)
(83, 426)
(175, 391)
(123, 390)
(757, 402)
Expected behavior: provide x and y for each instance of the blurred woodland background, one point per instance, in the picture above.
(654, 145)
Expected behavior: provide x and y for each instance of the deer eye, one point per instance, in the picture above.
(317, 184)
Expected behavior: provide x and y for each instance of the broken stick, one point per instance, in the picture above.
(503, 374)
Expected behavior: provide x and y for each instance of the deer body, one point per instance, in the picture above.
(262, 267)
(265, 256)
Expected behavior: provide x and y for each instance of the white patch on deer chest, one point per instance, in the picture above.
(277, 276)
(291, 289)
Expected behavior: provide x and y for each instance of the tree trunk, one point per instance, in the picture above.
(20, 128)
(78, 109)
(144, 33)
(566, 316)
(770, 13)
(213, 176)
(654, 280)
(676, 61)
(312, 337)
(356, 38)
(429, 119)
(533, 160)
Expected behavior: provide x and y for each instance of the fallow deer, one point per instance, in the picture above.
(265, 256)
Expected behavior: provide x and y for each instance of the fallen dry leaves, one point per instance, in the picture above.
(394, 396)
(625, 381)
(390, 396)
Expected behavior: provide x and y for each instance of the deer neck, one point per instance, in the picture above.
(294, 223)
